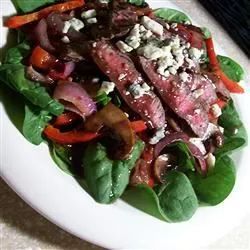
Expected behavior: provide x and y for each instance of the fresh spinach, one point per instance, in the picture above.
(13, 75)
(206, 33)
(218, 184)
(231, 68)
(185, 160)
(61, 156)
(172, 15)
(144, 198)
(235, 134)
(35, 121)
(137, 2)
(16, 54)
(106, 178)
(23, 6)
(174, 201)
(177, 197)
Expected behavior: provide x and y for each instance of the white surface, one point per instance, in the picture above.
(59, 198)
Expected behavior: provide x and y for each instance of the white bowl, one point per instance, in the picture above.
(30, 171)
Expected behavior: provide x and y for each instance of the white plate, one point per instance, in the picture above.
(30, 171)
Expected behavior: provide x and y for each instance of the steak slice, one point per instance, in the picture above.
(121, 70)
(178, 96)
(203, 90)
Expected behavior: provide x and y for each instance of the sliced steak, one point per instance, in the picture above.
(121, 70)
(203, 90)
(178, 97)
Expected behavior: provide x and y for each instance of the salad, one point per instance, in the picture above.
(134, 103)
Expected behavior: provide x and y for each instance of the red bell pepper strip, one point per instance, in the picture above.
(66, 119)
(71, 137)
(138, 126)
(18, 21)
(41, 59)
(232, 86)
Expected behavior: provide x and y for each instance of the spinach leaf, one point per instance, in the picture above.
(185, 160)
(231, 68)
(35, 121)
(23, 6)
(172, 15)
(173, 201)
(13, 75)
(231, 122)
(137, 2)
(61, 156)
(206, 33)
(177, 197)
(218, 184)
(106, 178)
(16, 54)
(144, 198)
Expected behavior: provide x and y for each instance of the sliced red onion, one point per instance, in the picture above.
(75, 98)
(68, 68)
(179, 136)
(42, 36)
(35, 76)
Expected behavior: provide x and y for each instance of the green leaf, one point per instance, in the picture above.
(34, 123)
(137, 2)
(144, 198)
(13, 75)
(172, 15)
(174, 201)
(206, 33)
(177, 197)
(16, 54)
(230, 121)
(215, 188)
(185, 160)
(106, 178)
(102, 98)
(61, 156)
(23, 6)
(231, 68)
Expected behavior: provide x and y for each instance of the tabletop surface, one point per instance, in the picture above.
(23, 228)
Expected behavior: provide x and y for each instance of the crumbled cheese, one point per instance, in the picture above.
(137, 90)
(104, 1)
(135, 31)
(175, 42)
(195, 54)
(221, 129)
(216, 110)
(185, 77)
(199, 144)
(152, 25)
(159, 134)
(167, 26)
(151, 52)
(95, 80)
(133, 41)
(123, 47)
(142, 29)
(92, 20)
(190, 62)
(174, 25)
(172, 70)
(65, 39)
(146, 35)
(88, 14)
(74, 23)
(122, 76)
(164, 157)
(107, 87)
(211, 129)
(197, 93)
(210, 160)
(163, 71)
